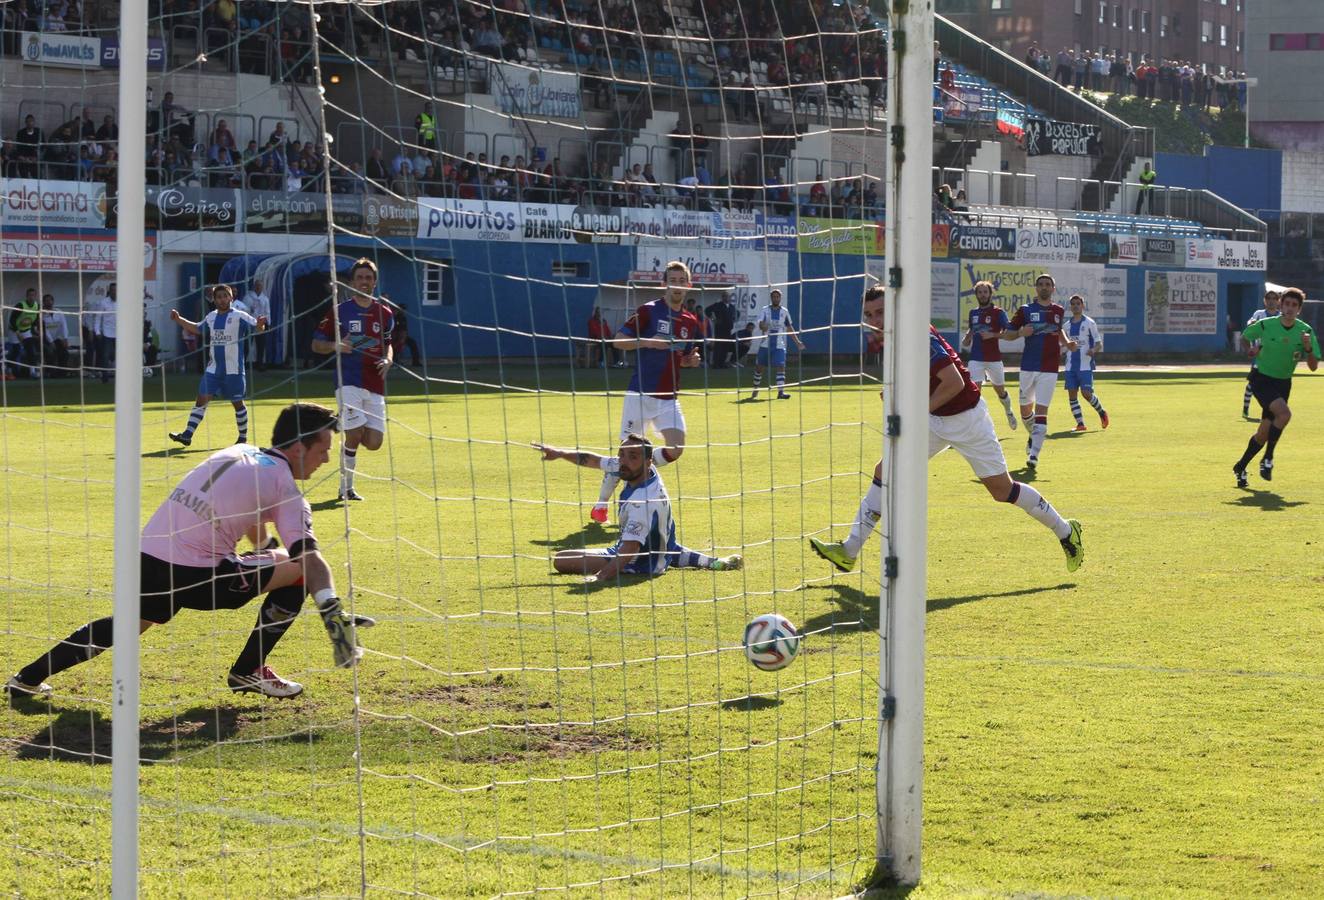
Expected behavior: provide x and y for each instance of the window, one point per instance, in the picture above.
(1103, 12)
(1162, 26)
(1117, 15)
(569, 270)
(1206, 31)
(1314, 41)
(1080, 5)
(1000, 4)
(435, 276)
(1146, 21)
(1133, 21)
(1176, 24)
(1222, 35)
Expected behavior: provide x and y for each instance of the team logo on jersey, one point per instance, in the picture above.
(376, 327)
(684, 334)
(664, 326)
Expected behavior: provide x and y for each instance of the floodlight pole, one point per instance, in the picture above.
(129, 242)
(906, 388)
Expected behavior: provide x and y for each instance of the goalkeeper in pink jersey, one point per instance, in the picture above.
(189, 559)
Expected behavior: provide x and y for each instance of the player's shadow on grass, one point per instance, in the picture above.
(859, 612)
(324, 505)
(580, 539)
(1269, 501)
(752, 703)
(174, 451)
(80, 735)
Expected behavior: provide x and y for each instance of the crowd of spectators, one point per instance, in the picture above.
(1171, 80)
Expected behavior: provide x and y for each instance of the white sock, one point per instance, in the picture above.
(1006, 402)
(1037, 435)
(609, 481)
(871, 510)
(348, 460)
(1030, 500)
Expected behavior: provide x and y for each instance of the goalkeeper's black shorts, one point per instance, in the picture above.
(167, 588)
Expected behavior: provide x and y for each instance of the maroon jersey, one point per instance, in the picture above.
(941, 355)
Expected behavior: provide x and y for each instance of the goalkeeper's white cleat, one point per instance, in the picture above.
(16, 688)
(264, 681)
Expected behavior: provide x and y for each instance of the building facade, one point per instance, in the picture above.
(1284, 51)
(1205, 33)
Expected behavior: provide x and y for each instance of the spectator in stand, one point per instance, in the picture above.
(871, 205)
(960, 203)
(175, 119)
(1065, 64)
(109, 132)
(947, 82)
(86, 162)
(87, 129)
(54, 336)
(28, 148)
(1080, 68)
(107, 165)
(944, 199)
(488, 41)
(222, 136)
(294, 177)
(376, 171)
(425, 125)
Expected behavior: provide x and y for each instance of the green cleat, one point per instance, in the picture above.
(1073, 546)
(727, 563)
(834, 553)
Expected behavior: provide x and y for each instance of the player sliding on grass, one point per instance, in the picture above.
(647, 543)
(227, 330)
(958, 417)
(663, 332)
(987, 324)
(189, 560)
(1282, 340)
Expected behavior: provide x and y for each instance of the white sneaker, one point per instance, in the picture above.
(264, 681)
(1011, 420)
(14, 688)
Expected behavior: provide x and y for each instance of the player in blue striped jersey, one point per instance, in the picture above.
(1081, 361)
(647, 542)
(1270, 309)
(226, 330)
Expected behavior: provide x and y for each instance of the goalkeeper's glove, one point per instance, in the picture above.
(341, 629)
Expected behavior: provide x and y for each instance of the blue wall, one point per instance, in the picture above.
(1252, 179)
(523, 311)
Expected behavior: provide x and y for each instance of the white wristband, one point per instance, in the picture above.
(324, 596)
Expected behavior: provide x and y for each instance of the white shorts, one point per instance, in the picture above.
(361, 408)
(979, 370)
(640, 410)
(971, 434)
(1037, 387)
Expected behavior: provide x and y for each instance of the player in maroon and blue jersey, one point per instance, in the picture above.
(363, 340)
(958, 417)
(664, 333)
(1040, 323)
(986, 325)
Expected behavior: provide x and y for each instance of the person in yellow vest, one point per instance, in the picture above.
(23, 325)
(1147, 179)
(425, 123)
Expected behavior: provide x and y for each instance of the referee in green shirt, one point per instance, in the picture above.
(1284, 339)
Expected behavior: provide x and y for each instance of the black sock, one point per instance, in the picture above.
(1252, 448)
(277, 614)
(78, 647)
(1274, 434)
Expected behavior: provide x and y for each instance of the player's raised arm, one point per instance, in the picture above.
(191, 327)
(578, 457)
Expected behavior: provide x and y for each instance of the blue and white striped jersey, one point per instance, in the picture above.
(228, 332)
(645, 516)
(779, 322)
(1086, 334)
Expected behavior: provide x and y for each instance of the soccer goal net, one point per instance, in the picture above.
(521, 177)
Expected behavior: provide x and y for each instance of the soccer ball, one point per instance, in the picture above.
(771, 642)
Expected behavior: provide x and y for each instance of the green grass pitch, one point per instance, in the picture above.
(1148, 726)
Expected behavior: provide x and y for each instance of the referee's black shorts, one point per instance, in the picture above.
(1266, 390)
(167, 588)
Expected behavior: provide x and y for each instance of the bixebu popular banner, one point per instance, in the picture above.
(1045, 136)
